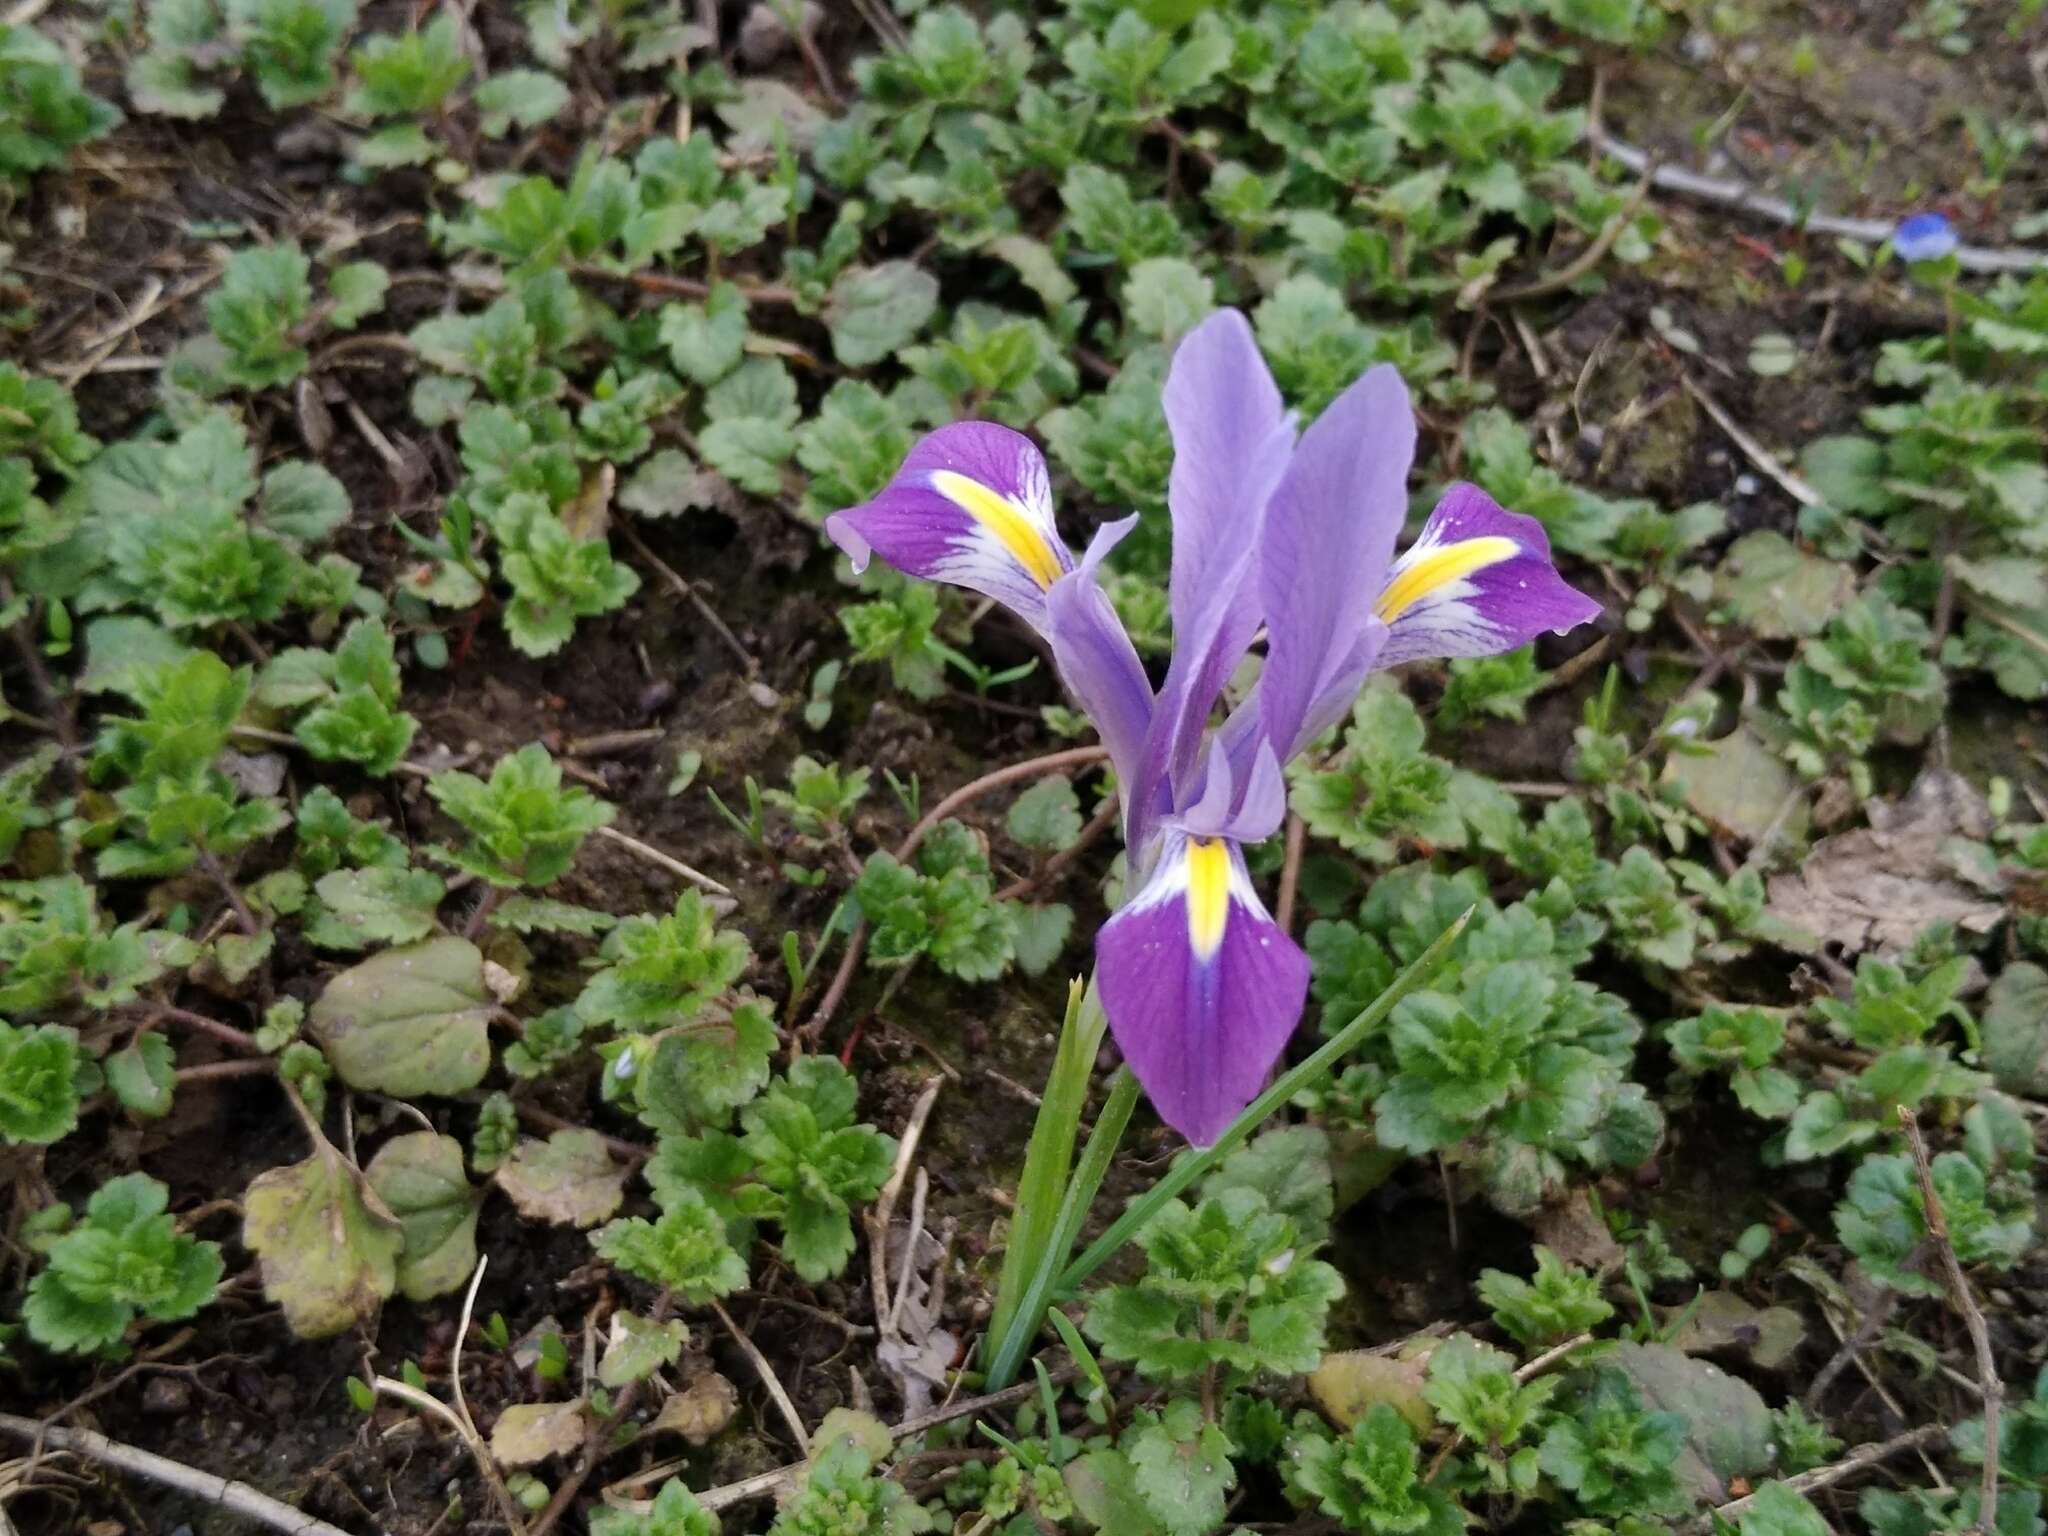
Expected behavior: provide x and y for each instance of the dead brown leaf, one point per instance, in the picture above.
(527, 1433)
(700, 1410)
(1882, 886)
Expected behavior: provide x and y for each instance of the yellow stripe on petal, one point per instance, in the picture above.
(1438, 569)
(1208, 897)
(1010, 523)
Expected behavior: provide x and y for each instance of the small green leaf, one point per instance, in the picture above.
(1046, 816)
(876, 311)
(419, 1178)
(357, 289)
(1166, 297)
(666, 483)
(39, 1071)
(639, 1346)
(522, 97)
(144, 1075)
(409, 1021)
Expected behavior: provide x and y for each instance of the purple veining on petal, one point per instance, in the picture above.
(1201, 1033)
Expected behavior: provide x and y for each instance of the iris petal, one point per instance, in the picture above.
(1231, 440)
(1477, 582)
(1097, 661)
(1202, 988)
(1328, 539)
(972, 506)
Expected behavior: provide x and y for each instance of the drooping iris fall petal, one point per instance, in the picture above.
(971, 506)
(1477, 582)
(1202, 988)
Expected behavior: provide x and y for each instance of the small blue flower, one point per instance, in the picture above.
(1924, 237)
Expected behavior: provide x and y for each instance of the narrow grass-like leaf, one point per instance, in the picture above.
(1103, 1140)
(1042, 1189)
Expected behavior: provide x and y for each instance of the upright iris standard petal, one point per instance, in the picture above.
(1097, 661)
(1478, 581)
(1231, 441)
(1328, 539)
(1202, 988)
(972, 505)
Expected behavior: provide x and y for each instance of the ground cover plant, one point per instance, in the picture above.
(1400, 889)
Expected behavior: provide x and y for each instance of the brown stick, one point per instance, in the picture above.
(669, 862)
(56, 708)
(1859, 1460)
(769, 1379)
(1103, 820)
(227, 1034)
(249, 1503)
(1879, 1314)
(782, 1477)
(214, 1071)
(217, 872)
(689, 287)
(1290, 873)
(688, 594)
(1973, 1318)
(547, 1119)
(1586, 260)
(1524, 1374)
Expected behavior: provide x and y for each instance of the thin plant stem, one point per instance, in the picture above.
(768, 1378)
(479, 1452)
(217, 872)
(1973, 1318)
(967, 794)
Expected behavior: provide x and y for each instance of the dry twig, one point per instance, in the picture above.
(625, 530)
(1290, 872)
(1973, 1318)
(1740, 195)
(857, 941)
(1586, 260)
(669, 862)
(239, 1498)
(768, 1377)
(1792, 484)
(785, 1477)
(1858, 1460)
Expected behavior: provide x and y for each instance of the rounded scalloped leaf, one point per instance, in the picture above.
(409, 1021)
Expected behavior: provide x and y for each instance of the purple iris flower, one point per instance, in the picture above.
(1292, 536)
(1924, 237)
